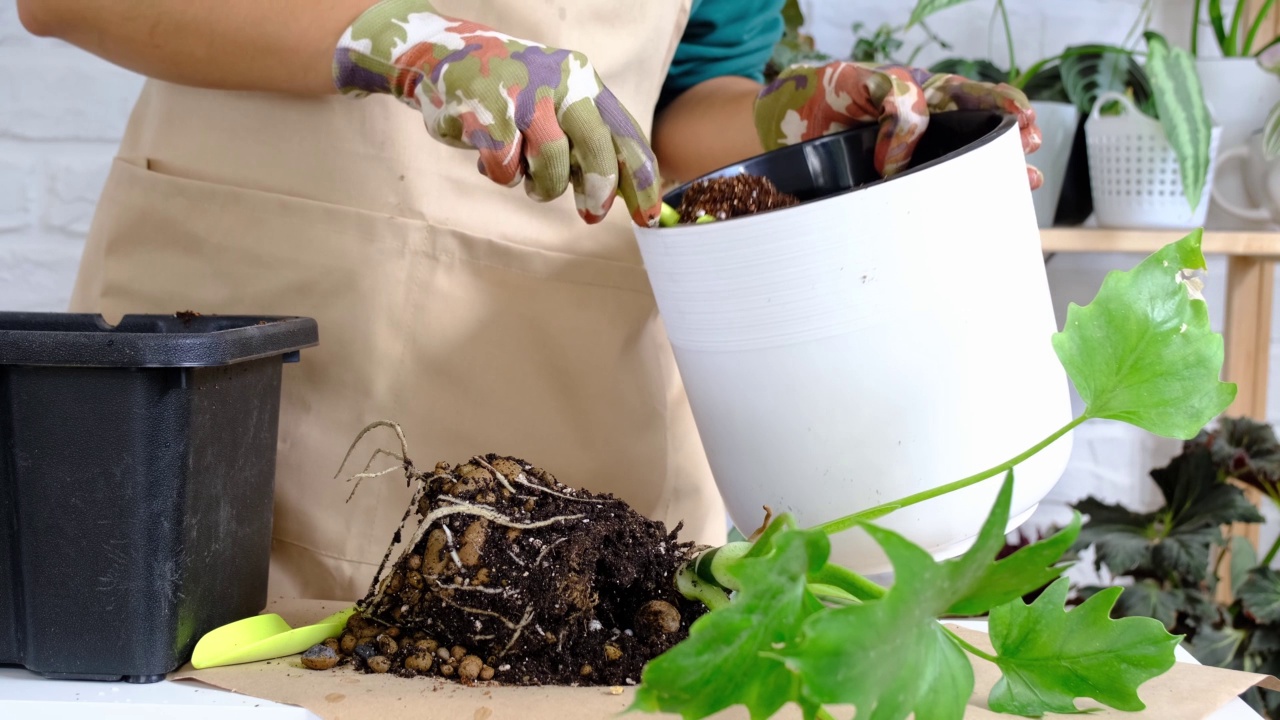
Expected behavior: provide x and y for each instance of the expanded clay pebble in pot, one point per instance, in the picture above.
(514, 577)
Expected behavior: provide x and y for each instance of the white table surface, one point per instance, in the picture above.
(27, 695)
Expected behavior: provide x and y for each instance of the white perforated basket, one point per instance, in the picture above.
(1134, 173)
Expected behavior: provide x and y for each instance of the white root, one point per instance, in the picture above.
(523, 480)
(499, 476)
(478, 611)
(358, 477)
(404, 445)
(453, 552)
(381, 582)
(477, 588)
(545, 550)
(528, 615)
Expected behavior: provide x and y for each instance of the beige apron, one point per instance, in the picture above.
(478, 319)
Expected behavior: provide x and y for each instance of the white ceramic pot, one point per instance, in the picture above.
(1240, 94)
(1057, 123)
(1134, 173)
(1260, 176)
(872, 344)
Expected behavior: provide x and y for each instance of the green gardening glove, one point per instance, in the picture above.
(807, 102)
(534, 113)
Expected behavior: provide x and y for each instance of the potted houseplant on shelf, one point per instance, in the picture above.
(881, 45)
(1150, 164)
(1057, 117)
(1238, 90)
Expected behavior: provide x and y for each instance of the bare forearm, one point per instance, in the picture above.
(276, 45)
(707, 127)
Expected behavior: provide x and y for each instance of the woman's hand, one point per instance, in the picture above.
(804, 103)
(534, 113)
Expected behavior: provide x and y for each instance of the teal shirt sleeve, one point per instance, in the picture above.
(724, 38)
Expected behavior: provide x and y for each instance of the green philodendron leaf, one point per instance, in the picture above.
(1143, 352)
(1050, 655)
(1182, 112)
(1260, 595)
(1029, 568)
(890, 657)
(693, 678)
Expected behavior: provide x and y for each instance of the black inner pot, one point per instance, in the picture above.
(845, 161)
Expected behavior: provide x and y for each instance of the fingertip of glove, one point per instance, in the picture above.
(1035, 177)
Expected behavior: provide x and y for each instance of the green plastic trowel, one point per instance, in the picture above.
(263, 637)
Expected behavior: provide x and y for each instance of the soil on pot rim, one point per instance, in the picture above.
(724, 198)
(514, 577)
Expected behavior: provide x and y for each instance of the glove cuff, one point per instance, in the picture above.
(384, 50)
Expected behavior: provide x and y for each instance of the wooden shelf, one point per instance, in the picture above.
(1257, 245)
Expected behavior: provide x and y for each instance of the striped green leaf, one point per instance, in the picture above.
(1182, 111)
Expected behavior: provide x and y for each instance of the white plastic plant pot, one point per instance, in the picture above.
(880, 339)
(1134, 173)
(1057, 122)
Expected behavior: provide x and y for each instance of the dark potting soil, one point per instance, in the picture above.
(512, 576)
(723, 198)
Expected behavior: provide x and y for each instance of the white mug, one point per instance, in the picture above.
(1261, 177)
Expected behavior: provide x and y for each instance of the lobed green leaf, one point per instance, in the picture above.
(1050, 656)
(694, 679)
(1143, 352)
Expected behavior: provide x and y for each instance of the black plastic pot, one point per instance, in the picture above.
(840, 162)
(1075, 205)
(137, 468)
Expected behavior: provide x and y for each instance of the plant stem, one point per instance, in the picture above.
(1138, 23)
(1008, 37)
(849, 581)
(824, 715)
(689, 585)
(969, 648)
(841, 524)
(1195, 28)
(1226, 545)
(1233, 37)
(1271, 554)
(1257, 25)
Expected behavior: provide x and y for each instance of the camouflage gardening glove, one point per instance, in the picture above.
(805, 102)
(534, 113)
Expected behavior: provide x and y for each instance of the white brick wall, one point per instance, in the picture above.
(62, 113)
